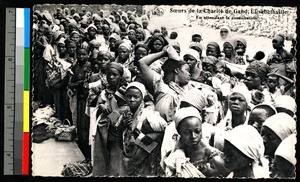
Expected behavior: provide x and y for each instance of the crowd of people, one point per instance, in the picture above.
(143, 107)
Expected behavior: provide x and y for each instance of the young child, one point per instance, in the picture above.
(275, 88)
(259, 114)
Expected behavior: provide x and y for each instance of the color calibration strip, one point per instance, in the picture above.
(26, 98)
(17, 91)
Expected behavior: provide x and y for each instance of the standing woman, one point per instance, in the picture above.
(169, 88)
(78, 82)
(244, 153)
(280, 59)
(142, 121)
(156, 44)
(107, 156)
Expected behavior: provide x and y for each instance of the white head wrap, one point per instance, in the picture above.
(282, 124)
(287, 102)
(185, 112)
(247, 140)
(287, 149)
(139, 86)
(242, 89)
(193, 53)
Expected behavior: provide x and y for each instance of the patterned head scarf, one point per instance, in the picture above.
(211, 60)
(259, 68)
(117, 66)
(196, 98)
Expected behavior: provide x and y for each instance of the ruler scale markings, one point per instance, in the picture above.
(9, 109)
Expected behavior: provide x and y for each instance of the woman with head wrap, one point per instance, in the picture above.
(244, 153)
(225, 34)
(256, 75)
(122, 26)
(275, 129)
(284, 165)
(140, 51)
(169, 88)
(77, 83)
(140, 35)
(241, 45)
(201, 99)
(124, 54)
(209, 70)
(107, 155)
(156, 43)
(106, 31)
(140, 133)
(240, 49)
(191, 57)
(76, 37)
(280, 60)
(90, 32)
(239, 104)
(197, 47)
(191, 152)
(113, 38)
(148, 32)
(213, 49)
(229, 47)
(132, 35)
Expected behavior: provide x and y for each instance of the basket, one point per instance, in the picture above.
(65, 132)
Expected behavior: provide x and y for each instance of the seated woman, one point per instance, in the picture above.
(244, 150)
(169, 88)
(191, 57)
(140, 133)
(284, 165)
(213, 49)
(202, 99)
(191, 153)
(239, 107)
(274, 130)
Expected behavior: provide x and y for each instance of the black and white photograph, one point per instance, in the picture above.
(185, 91)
